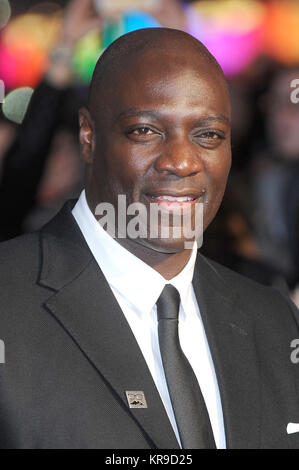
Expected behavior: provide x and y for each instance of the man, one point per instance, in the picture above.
(93, 353)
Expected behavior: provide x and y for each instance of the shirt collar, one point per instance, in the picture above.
(133, 279)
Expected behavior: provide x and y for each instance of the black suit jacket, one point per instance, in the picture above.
(70, 354)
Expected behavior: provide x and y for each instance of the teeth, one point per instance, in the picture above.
(175, 199)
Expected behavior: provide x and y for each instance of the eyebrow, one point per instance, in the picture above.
(134, 112)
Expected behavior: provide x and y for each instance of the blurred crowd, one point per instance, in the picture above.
(257, 229)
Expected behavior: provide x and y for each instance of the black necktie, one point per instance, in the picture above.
(187, 401)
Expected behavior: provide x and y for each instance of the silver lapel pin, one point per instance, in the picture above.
(136, 399)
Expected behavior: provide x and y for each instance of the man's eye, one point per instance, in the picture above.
(211, 135)
(209, 138)
(142, 131)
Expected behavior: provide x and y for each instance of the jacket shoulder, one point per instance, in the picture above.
(20, 258)
(232, 277)
(253, 295)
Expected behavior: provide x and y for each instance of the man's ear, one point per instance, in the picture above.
(86, 135)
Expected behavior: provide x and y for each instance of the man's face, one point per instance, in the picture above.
(162, 130)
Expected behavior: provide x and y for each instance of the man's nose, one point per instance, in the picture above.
(180, 157)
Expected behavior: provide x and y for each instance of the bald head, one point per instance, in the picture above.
(144, 44)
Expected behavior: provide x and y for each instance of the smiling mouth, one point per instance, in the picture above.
(173, 201)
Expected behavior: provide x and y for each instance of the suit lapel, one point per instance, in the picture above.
(86, 307)
(230, 336)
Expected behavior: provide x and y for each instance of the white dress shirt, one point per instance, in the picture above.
(137, 287)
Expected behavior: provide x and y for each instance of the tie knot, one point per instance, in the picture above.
(168, 303)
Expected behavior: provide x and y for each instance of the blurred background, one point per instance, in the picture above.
(48, 51)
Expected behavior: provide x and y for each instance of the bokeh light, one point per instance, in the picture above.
(22, 64)
(16, 103)
(129, 21)
(87, 51)
(281, 31)
(90, 47)
(5, 12)
(24, 48)
(40, 30)
(138, 20)
(235, 31)
(230, 29)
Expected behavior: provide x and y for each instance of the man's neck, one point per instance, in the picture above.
(166, 264)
